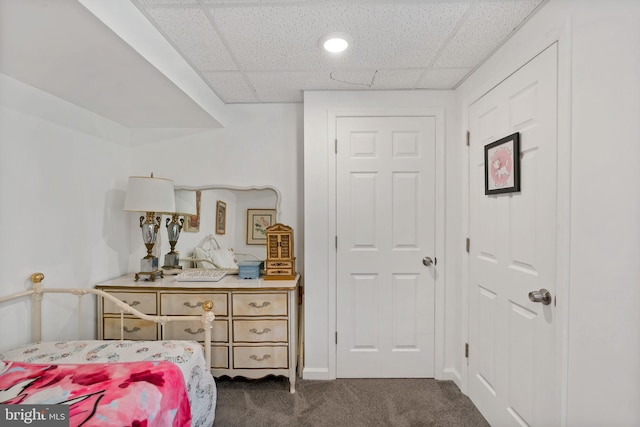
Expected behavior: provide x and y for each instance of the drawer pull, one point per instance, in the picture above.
(255, 331)
(257, 359)
(255, 304)
(188, 304)
(132, 303)
(192, 332)
(134, 329)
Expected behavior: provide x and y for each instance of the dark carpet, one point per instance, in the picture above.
(344, 402)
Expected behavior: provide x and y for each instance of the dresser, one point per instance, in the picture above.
(254, 332)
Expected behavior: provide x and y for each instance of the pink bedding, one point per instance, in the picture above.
(150, 393)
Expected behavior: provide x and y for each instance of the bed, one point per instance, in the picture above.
(117, 382)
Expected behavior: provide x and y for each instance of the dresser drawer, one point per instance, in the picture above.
(279, 264)
(134, 329)
(259, 304)
(141, 301)
(220, 357)
(260, 331)
(260, 357)
(193, 330)
(284, 272)
(191, 304)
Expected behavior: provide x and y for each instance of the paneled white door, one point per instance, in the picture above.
(513, 252)
(385, 226)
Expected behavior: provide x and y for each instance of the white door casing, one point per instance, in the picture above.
(512, 356)
(385, 207)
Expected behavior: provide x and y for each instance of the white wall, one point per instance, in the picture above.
(62, 177)
(260, 145)
(599, 294)
(319, 241)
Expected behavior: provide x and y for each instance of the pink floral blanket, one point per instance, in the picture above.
(139, 394)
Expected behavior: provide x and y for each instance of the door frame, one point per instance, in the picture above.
(562, 36)
(440, 273)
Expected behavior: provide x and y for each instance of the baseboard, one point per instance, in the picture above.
(316, 374)
(450, 374)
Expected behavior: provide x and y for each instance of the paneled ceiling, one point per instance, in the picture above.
(268, 50)
(242, 51)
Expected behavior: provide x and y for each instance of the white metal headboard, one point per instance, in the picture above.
(37, 290)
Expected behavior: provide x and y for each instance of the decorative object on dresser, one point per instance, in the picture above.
(154, 196)
(249, 269)
(280, 262)
(185, 205)
(255, 329)
(258, 220)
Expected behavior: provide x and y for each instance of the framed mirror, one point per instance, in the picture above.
(227, 218)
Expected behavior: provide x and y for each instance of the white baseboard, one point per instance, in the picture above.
(450, 374)
(316, 374)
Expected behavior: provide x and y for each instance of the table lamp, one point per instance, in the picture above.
(153, 196)
(185, 205)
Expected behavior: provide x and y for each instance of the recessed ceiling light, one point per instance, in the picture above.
(335, 42)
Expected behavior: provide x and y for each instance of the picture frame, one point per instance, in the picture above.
(258, 220)
(502, 165)
(192, 222)
(221, 217)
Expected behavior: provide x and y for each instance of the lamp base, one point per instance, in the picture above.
(150, 275)
(149, 268)
(171, 260)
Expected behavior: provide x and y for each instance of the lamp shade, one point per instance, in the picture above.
(149, 194)
(185, 202)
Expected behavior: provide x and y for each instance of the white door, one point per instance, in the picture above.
(513, 252)
(385, 226)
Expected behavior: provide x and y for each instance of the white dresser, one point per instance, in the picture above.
(254, 333)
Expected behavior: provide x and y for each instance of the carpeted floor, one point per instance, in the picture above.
(344, 402)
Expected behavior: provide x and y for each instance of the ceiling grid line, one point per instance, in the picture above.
(444, 45)
(224, 42)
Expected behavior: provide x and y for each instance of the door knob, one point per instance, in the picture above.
(543, 296)
(428, 261)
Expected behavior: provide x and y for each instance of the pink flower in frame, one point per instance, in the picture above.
(501, 166)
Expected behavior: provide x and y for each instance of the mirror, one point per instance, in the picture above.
(223, 215)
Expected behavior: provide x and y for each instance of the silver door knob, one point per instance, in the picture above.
(543, 296)
(427, 261)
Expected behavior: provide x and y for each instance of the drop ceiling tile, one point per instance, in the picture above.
(442, 78)
(230, 86)
(164, 2)
(285, 37)
(486, 27)
(374, 79)
(261, 1)
(287, 86)
(190, 32)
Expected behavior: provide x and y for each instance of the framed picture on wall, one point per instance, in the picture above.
(192, 222)
(221, 217)
(502, 165)
(258, 220)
